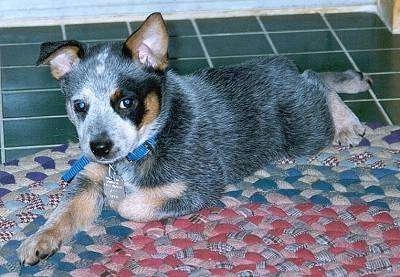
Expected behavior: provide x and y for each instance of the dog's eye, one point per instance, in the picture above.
(80, 106)
(126, 103)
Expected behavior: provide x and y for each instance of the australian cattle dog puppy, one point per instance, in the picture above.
(159, 145)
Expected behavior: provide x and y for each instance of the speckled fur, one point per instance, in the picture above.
(214, 127)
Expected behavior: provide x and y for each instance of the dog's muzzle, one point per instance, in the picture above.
(101, 147)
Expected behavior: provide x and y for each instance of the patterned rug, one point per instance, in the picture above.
(334, 214)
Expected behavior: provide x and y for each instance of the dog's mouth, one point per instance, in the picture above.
(111, 157)
(106, 161)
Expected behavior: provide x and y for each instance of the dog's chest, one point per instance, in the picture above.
(114, 187)
(120, 182)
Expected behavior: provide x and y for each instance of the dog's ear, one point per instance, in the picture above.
(61, 56)
(149, 44)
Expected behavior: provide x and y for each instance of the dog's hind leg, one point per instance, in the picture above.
(155, 203)
(348, 128)
(82, 203)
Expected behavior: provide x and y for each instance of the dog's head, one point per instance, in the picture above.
(113, 91)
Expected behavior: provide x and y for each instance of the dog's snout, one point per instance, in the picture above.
(101, 146)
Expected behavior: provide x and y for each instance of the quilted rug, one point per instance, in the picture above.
(333, 214)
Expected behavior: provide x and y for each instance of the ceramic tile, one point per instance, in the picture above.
(38, 132)
(237, 45)
(97, 31)
(228, 25)
(33, 103)
(354, 20)
(293, 22)
(30, 34)
(304, 42)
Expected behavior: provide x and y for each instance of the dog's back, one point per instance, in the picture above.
(237, 119)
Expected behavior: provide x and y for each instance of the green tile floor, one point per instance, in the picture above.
(33, 114)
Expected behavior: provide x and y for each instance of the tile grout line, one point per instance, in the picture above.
(203, 46)
(383, 72)
(389, 99)
(11, 91)
(374, 49)
(210, 35)
(128, 26)
(202, 57)
(358, 100)
(34, 117)
(33, 146)
(2, 143)
(267, 36)
(63, 32)
(198, 58)
(250, 55)
(371, 92)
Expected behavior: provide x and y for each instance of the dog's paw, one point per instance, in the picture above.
(39, 246)
(349, 133)
(355, 82)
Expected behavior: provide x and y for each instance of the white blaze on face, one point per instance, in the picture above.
(101, 58)
(86, 94)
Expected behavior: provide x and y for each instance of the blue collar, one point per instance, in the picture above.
(140, 152)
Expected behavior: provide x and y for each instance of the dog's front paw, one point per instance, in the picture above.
(39, 246)
(349, 132)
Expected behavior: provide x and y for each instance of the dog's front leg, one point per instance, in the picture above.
(80, 205)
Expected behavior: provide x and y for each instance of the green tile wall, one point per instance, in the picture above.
(33, 111)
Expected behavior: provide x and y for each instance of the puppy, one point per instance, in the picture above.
(194, 133)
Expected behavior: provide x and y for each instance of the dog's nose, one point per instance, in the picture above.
(101, 147)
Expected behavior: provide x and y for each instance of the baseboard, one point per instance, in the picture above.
(56, 15)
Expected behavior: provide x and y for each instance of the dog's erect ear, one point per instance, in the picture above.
(61, 56)
(149, 44)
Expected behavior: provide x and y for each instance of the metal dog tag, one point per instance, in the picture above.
(114, 188)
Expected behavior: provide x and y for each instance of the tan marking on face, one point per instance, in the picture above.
(145, 204)
(152, 108)
(116, 96)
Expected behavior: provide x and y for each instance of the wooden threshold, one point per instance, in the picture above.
(389, 11)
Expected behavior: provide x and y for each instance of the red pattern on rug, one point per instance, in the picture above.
(256, 239)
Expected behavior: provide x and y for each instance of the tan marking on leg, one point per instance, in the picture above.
(79, 213)
(62, 224)
(145, 204)
(152, 108)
